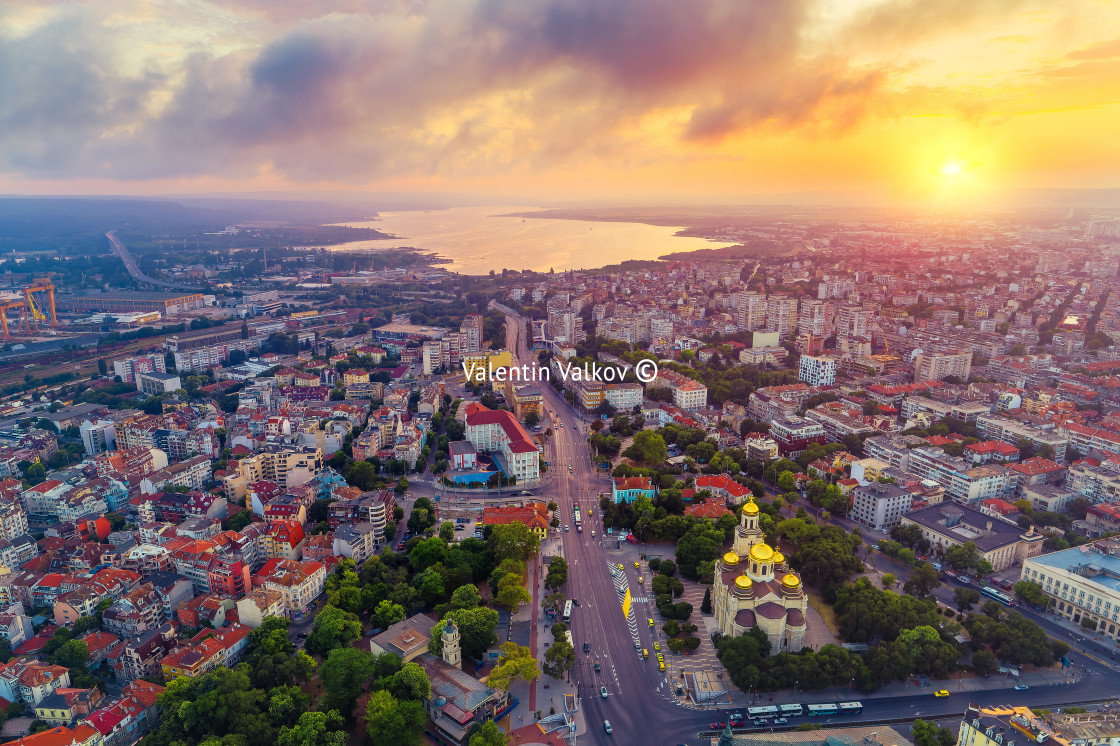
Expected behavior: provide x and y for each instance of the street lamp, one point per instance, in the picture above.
(850, 682)
(795, 683)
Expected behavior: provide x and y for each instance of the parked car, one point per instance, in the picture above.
(781, 721)
(941, 693)
(1021, 687)
(717, 726)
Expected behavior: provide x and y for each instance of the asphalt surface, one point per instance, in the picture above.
(638, 710)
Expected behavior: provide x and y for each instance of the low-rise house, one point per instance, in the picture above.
(299, 583)
(30, 681)
(258, 605)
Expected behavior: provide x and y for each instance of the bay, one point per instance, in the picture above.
(478, 239)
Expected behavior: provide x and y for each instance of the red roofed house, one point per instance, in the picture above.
(533, 515)
(999, 508)
(991, 450)
(1104, 515)
(723, 486)
(284, 540)
(1038, 470)
(81, 735)
(629, 489)
(713, 508)
(499, 433)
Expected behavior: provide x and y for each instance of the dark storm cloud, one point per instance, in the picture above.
(416, 88)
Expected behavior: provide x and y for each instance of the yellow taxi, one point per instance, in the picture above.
(636, 565)
(641, 580)
(620, 567)
(661, 666)
(941, 693)
(645, 653)
(656, 646)
(651, 624)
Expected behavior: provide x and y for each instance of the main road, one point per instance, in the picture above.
(636, 703)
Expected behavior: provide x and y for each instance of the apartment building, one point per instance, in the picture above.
(749, 310)
(794, 434)
(1098, 483)
(299, 583)
(998, 427)
(853, 321)
(962, 481)
(937, 366)
(817, 371)
(286, 466)
(781, 315)
(688, 394)
(129, 367)
(816, 319)
(1088, 440)
(879, 506)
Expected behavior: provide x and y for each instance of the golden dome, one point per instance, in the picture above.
(779, 558)
(791, 580)
(743, 583)
(750, 508)
(731, 558)
(762, 553)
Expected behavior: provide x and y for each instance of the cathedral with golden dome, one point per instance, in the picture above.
(754, 587)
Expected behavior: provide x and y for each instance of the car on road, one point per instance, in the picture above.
(636, 565)
(587, 647)
(651, 623)
(736, 719)
(717, 726)
(620, 567)
(656, 645)
(964, 579)
(603, 692)
(1021, 687)
(302, 635)
(607, 724)
(597, 667)
(525, 493)
(781, 721)
(941, 693)
(761, 722)
(567, 527)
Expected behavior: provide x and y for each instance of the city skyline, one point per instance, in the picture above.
(943, 104)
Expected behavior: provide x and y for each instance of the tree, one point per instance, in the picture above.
(559, 658)
(427, 553)
(557, 573)
(931, 734)
(219, 707)
(787, 482)
(362, 475)
(102, 368)
(984, 662)
(922, 581)
(73, 654)
(343, 674)
(650, 447)
(532, 419)
(401, 487)
(465, 597)
(515, 662)
(966, 557)
(447, 531)
(488, 735)
(272, 658)
(387, 614)
(314, 729)
(511, 594)
(701, 543)
(476, 631)
(889, 580)
(333, 628)
(1030, 592)
(513, 540)
(965, 598)
(390, 722)
(706, 604)
(667, 568)
(414, 679)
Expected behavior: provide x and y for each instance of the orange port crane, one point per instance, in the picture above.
(37, 298)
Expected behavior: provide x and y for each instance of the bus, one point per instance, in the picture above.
(575, 514)
(1003, 598)
(815, 710)
(762, 712)
(851, 708)
(791, 711)
(567, 611)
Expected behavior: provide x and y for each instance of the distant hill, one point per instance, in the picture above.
(76, 225)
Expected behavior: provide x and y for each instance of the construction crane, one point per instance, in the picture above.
(6, 306)
(39, 287)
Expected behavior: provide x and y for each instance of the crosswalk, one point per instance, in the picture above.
(622, 585)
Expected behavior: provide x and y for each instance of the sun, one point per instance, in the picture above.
(952, 168)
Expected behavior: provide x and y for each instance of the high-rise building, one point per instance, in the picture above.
(129, 367)
(816, 318)
(471, 331)
(750, 310)
(853, 321)
(781, 314)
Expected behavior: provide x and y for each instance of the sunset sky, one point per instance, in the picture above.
(559, 99)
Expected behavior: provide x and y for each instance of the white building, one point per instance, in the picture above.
(817, 370)
(499, 433)
(154, 384)
(879, 506)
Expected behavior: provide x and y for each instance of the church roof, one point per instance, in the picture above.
(762, 553)
(745, 618)
(771, 610)
(795, 618)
